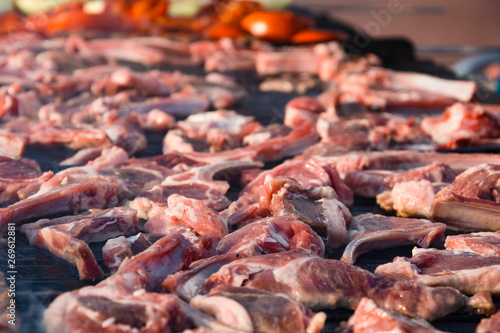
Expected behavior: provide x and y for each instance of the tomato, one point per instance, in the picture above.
(220, 30)
(316, 36)
(273, 26)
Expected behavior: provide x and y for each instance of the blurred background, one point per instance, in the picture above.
(463, 35)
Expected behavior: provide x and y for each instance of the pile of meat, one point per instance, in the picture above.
(180, 256)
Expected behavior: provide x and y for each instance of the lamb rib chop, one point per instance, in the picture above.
(19, 178)
(370, 183)
(410, 198)
(251, 310)
(328, 283)
(470, 273)
(482, 243)
(368, 317)
(369, 232)
(67, 237)
(134, 281)
(472, 201)
(197, 183)
(117, 249)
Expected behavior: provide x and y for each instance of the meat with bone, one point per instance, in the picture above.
(95, 226)
(11, 145)
(472, 201)
(327, 283)
(189, 283)
(379, 88)
(372, 232)
(20, 178)
(138, 312)
(275, 148)
(322, 60)
(350, 134)
(308, 173)
(190, 215)
(481, 243)
(463, 125)
(470, 273)
(213, 131)
(402, 160)
(251, 310)
(489, 325)
(301, 109)
(67, 237)
(95, 185)
(117, 249)
(370, 183)
(46, 133)
(317, 207)
(269, 235)
(368, 317)
(116, 49)
(410, 198)
(196, 183)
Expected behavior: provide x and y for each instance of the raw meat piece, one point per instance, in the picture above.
(67, 238)
(301, 109)
(23, 104)
(274, 234)
(410, 199)
(191, 218)
(482, 243)
(61, 112)
(196, 183)
(323, 59)
(97, 226)
(117, 249)
(368, 317)
(117, 49)
(11, 145)
(472, 201)
(462, 125)
(19, 178)
(470, 273)
(350, 134)
(295, 142)
(489, 325)
(291, 83)
(180, 105)
(370, 183)
(378, 88)
(328, 283)
(150, 267)
(258, 311)
(402, 160)
(210, 131)
(372, 232)
(71, 190)
(138, 312)
(223, 61)
(126, 133)
(47, 133)
(74, 250)
(199, 125)
(155, 120)
(189, 283)
(317, 207)
(308, 173)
